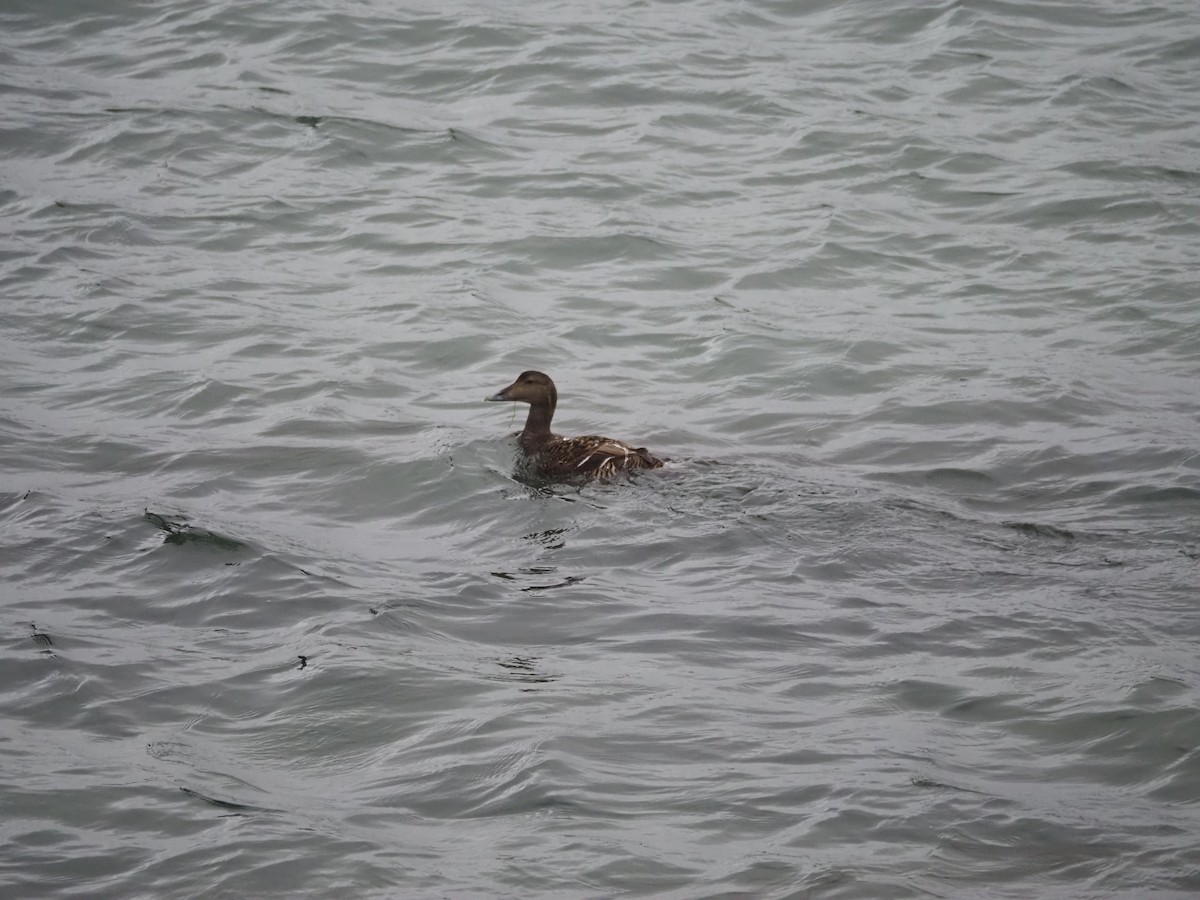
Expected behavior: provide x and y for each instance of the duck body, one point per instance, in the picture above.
(553, 456)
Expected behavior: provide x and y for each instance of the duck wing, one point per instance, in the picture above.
(601, 456)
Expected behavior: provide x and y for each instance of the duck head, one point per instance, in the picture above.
(533, 388)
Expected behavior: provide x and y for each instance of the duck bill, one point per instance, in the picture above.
(499, 396)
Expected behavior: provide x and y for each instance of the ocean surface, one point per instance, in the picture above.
(909, 294)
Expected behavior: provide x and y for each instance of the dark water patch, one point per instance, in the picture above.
(541, 572)
(930, 783)
(524, 670)
(227, 805)
(1033, 529)
(181, 532)
(41, 639)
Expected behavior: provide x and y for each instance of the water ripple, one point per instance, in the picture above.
(907, 297)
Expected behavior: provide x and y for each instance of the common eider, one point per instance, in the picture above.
(590, 456)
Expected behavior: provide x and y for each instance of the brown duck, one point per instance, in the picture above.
(590, 456)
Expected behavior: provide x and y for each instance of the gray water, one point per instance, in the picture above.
(908, 293)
